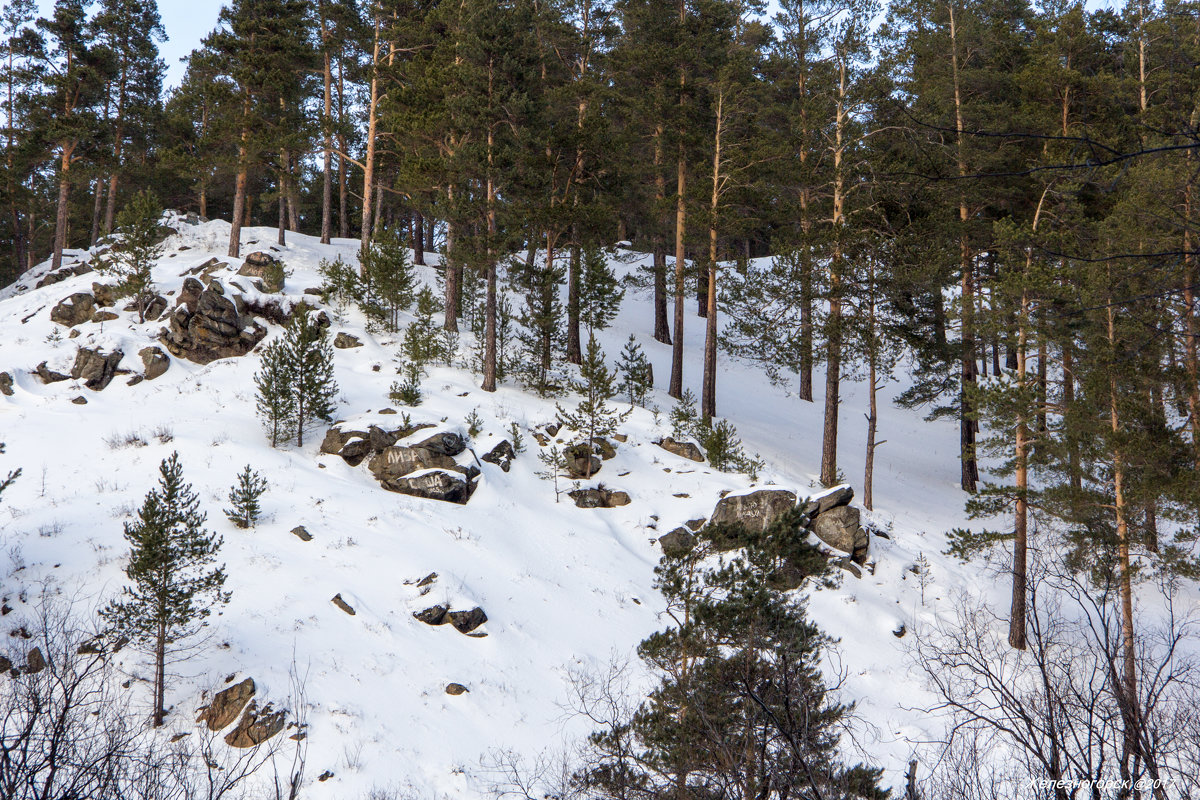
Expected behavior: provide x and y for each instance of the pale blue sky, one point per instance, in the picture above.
(186, 23)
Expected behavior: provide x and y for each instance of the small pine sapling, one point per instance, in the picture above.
(386, 282)
(408, 392)
(310, 361)
(274, 398)
(474, 423)
(556, 467)
(137, 248)
(924, 576)
(518, 438)
(637, 376)
(244, 508)
(685, 420)
(593, 417)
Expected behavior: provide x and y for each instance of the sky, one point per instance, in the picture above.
(189, 21)
(186, 23)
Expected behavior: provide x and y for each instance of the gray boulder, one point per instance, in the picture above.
(841, 496)
(74, 310)
(678, 542)
(449, 487)
(154, 362)
(265, 267)
(47, 375)
(445, 443)
(755, 510)
(501, 455)
(214, 330)
(599, 497)
(257, 726)
(94, 368)
(345, 341)
(841, 529)
(687, 450)
(467, 621)
(434, 615)
(581, 463)
(396, 462)
(6, 385)
(226, 705)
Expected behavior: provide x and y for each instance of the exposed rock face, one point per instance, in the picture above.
(467, 621)
(154, 308)
(35, 662)
(48, 375)
(105, 316)
(105, 294)
(396, 462)
(678, 542)
(257, 726)
(687, 450)
(62, 274)
(354, 445)
(154, 361)
(755, 510)
(213, 330)
(434, 615)
(6, 384)
(456, 689)
(265, 267)
(446, 443)
(501, 455)
(226, 705)
(603, 448)
(433, 485)
(343, 605)
(599, 497)
(841, 496)
(344, 341)
(301, 533)
(74, 310)
(841, 528)
(581, 463)
(95, 368)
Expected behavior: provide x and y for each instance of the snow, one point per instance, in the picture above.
(564, 589)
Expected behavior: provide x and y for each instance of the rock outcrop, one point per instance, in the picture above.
(600, 497)
(6, 387)
(206, 326)
(501, 455)
(755, 510)
(74, 309)
(94, 368)
(62, 274)
(433, 485)
(256, 726)
(841, 528)
(356, 445)
(345, 341)
(226, 705)
(678, 542)
(154, 362)
(267, 269)
(688, 450)
(467, 621)
(580, 460)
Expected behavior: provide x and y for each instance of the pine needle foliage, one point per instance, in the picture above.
(244, 508)
(136, 249)
(174, 581)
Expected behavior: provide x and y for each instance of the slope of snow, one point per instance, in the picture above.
(564, 588)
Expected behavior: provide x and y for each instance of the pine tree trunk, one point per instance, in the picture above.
(327, 123)
(453, 273)
(967, 424)
(708, 392)
(676, 386)
(62, 215)
(97, 203)
(662, 326)
(160, 673)
(281, 239)
(574, 347)
(1017, 613)
(418, 238)
(239, 191)
(489, 343)
(369, 161)
(833, 357)
(1190, 327)
(872, 391)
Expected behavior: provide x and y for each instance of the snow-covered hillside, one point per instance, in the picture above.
(564, 589)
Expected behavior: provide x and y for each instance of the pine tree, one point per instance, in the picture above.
(174, 585)
(421, 340)
(593, 417)
(309, 357)
(136, 250)
(637, 376)
(387, 279)
(243, 498)
(600, 292)
(276, 401)
(556, 466)
(739, 699)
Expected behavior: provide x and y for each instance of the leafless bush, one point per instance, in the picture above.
(1053, 720)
